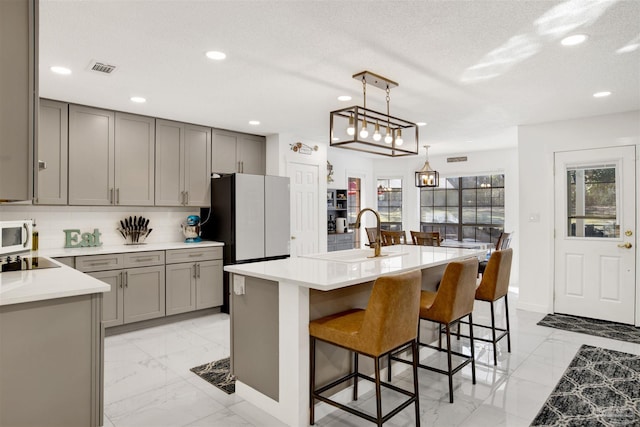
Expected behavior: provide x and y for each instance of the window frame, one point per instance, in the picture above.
(390, 225)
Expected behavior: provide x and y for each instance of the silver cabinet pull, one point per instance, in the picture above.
(111, 196)
(126, 279)
(42, 165)
(121, 279)
(187, 194)
(194, 271)
(239, 170)
(198, 269)
(118, 196)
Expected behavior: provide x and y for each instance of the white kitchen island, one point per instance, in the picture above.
(273, 302)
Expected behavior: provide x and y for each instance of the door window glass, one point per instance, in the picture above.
(592, 202)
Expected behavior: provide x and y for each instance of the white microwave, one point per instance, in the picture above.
(15, 236)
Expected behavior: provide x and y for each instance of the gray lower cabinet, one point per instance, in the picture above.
(339, 241)
(51, 360)
(194, 279)
(137, 293)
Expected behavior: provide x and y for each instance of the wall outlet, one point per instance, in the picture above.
(238, 284)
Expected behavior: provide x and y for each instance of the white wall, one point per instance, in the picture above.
(51, 220)
(536, 147)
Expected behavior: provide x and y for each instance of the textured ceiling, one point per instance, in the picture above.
(470, 69)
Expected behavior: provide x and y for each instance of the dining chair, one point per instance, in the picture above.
(390, 238)
(372, 233)
(426, 238)
(389, 322)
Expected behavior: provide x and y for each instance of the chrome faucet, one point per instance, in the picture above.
(378, 243)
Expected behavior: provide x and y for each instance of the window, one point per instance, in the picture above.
(592, 203)
(354, 206)
(465, 208)
(390, 204)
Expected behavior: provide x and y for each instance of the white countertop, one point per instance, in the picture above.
(116, 249)
(35, 285)
(49, 283)
(337, 271)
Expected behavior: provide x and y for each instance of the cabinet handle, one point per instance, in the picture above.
(239, 170)
(144, 259)
(242, 166)
(187, 194)
(121, 279)
(198, 270)
(194, 271)
(195, 255)
(117, 196)
(126, 279)
(100, 263)
(111, 196)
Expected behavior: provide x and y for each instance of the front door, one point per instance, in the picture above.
(595, 194)
(304, 208)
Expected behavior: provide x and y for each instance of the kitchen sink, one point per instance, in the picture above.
(357, 255)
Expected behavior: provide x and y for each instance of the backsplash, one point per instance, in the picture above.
(51, 220)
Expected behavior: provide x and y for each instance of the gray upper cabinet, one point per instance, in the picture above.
(183, 164)
(111, 158)
(237, 152)
(135, 163)
(91, 156)
(53, 148)
(18, 74)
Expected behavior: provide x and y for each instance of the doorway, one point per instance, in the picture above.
(305, 232)
(595, 203)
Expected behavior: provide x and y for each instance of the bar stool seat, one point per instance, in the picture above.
(389, 322)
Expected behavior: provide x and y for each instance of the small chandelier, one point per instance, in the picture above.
(427, 177)
(350, 127)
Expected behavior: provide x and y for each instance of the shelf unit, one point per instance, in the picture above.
(337, 208)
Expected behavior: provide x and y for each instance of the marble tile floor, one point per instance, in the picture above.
(148, 382)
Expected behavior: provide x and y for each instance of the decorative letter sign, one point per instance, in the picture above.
(86, 239)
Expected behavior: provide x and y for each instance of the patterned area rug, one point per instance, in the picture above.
(217, 373)
(600, 328)
(599, 388)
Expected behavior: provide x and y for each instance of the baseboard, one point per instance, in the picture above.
(129, 327)
(536, 308)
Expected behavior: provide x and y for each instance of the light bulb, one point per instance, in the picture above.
(399, 140)
(351, 130)
(387, 138)
(364, 132)
(376, 134)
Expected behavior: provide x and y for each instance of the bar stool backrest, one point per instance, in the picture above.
(456, 293)
(495, 279)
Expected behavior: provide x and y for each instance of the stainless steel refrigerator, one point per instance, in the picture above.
(250, 214)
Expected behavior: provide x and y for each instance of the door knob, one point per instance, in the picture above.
(626, 245)
(628, 233)
(293, 237)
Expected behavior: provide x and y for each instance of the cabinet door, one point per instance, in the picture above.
(134, 160)
(112, 301)
(18, 60)
(91, 156)
(144, 293)
(223, 158)
(197, 165)
(53, 148)
(169, 158)
(209, 284)
(181, 288)
(251, 154)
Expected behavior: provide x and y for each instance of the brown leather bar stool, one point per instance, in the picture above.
(389, 322)
(452, 302)
(495, 285)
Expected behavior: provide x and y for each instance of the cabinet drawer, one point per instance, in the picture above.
(189, 255)
(344, 238)
(144, 259)
(99, 262)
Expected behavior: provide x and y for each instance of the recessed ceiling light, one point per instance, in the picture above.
(60, 70)
(138, 99)
(631, 47)
(214, 54)
(574, 40)
(344, 98)
(602, 94)
(254, 122)
(421, 124)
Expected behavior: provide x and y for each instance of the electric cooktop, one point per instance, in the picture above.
(20, 263)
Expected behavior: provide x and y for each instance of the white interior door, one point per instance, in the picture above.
(304, 208)
(595, 194)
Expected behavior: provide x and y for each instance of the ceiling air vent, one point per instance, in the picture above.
(456, 159)
(101, 67)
